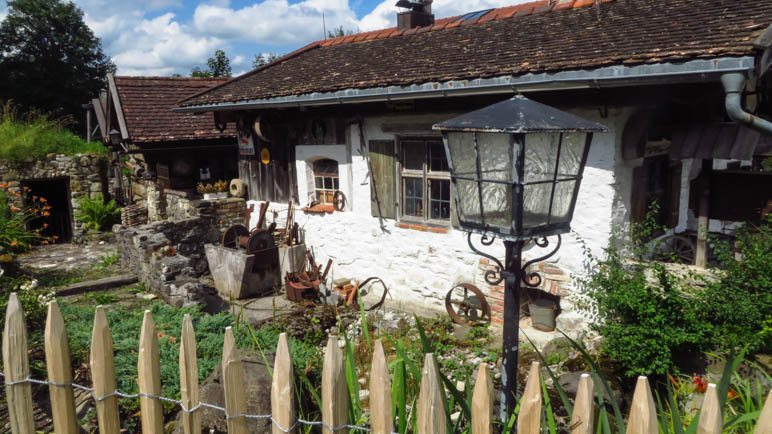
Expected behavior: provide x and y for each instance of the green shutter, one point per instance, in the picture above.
(383, 185)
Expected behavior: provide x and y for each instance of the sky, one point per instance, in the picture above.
(164, 37)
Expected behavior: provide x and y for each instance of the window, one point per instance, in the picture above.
(326, 181)
(425, 180)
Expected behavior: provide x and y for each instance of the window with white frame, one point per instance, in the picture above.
(326, 180)
(425, 180)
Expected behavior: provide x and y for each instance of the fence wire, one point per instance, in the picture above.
(119, 394)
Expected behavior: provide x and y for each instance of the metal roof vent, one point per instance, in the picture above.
(418, 15)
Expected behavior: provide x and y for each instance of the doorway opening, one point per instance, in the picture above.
(57, 226)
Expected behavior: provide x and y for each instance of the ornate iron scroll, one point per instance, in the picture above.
(534, 279)
(492, 277)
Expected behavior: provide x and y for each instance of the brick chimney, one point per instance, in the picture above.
(419, 15)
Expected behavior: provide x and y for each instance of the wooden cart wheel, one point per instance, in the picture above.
(677, 248)
(231, 236)
(259, 241)
(467, 305)
(375, 289)
(339, 200)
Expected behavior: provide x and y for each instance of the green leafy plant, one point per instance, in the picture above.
(97, 214)
(108, 261)
(15, 235)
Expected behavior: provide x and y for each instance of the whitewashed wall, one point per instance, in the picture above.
(420, 267)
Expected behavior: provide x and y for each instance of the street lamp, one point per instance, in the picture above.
(516, 167)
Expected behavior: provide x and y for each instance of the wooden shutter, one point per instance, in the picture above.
(638, 195)
(383, 185)
(674, 195)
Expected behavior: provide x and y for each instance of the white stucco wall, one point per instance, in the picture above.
(420, 267)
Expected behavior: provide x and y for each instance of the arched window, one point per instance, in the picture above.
(326, 180)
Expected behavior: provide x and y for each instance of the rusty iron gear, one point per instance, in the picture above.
(469, 310)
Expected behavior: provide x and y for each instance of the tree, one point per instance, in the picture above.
(50, 60)
(217, 66)
(337, 32)
(200, 73)
(263, 59)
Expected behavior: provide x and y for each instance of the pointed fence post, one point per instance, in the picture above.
(189, 395)
(334, 389)
(710, 421)
(764, 424)
(431, 407)
(18, 392)
(102, 363)
(282, 389)
(643, 413)
(233, 384)
(149, 377)
(583, 416)
(529, 418)
(382, 419)
(482, 402)
(59, 372)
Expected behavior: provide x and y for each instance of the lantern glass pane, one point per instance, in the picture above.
(497, 205)
(561, 204)
(469, 201)
(536, 204)
(571, 152)
(495, 156)
(462, 154)
(540, 152)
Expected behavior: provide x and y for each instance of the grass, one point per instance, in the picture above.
(33, 136)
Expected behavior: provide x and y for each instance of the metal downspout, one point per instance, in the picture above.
(734, 82)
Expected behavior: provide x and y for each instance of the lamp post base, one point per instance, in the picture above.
(512, 277)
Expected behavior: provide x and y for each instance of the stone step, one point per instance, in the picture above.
(97, 285)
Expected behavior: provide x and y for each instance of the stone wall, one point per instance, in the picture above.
(87, 174)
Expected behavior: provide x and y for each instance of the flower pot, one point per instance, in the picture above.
(543, 313)
(213, 196)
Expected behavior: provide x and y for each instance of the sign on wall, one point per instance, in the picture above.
(246, 143)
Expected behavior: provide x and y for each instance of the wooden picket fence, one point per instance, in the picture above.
(431, 417)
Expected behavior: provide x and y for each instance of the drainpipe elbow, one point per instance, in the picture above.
(733, 87)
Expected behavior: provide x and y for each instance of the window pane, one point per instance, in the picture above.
(336, 183)
(440, 199)
(413, 196)
(536, 202)
(495, 156)
(319, 182)
(571, 152)
(497, 204)
(325, 167)
(413, 155)
(564, 193)
(328, 183)
(438, 161)
(469, 205)
(540, 153)
(462, 153)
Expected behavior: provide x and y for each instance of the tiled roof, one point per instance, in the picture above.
(147, 104)
(526, 38)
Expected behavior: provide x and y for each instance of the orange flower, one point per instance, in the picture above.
(3, 185)
(46, 213)
(161, 335)
(172, 339)
(700, 384)
(14, 243)
(731, 394)
(45, 225)
(43, 200)
(14, 209)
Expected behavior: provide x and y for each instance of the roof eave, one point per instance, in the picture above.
(692, 71)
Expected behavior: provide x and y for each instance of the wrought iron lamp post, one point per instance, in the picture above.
(516, 167)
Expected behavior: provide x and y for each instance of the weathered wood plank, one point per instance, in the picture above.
(59, 368)
(431, 408)
(16, 368)
(583, 417)
(710, 421)
(482, 402)
(97, 285)
(382, 419)
(764, 424)
(282, 390)
(149, 377)
(189, 393)
(383, 184)
(334, 389)
(102, 364)
(233, 384)
(643, 413)
(529, 418)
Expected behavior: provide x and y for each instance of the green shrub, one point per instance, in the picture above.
(97, 214)
(738, 305)
(15, 237)
(33, 136)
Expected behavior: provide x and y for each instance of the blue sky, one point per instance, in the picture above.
(163, 37)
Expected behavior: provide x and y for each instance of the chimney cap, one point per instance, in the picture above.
(416, 5)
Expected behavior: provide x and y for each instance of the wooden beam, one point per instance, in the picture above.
(117, 104)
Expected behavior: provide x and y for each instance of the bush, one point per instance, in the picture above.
(738, 305)
(97, 214)
(15, 237)
(33, 136)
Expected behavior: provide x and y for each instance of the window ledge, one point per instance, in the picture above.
(423, 227)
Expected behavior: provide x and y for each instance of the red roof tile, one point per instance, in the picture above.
(578, 34)
(147, 104)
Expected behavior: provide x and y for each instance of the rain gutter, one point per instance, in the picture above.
(700, 70)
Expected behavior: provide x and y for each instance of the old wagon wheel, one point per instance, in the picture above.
(259, 241)
(231, 236)
(339, 200)
(375, 289)
(467, 305)
(676, 248)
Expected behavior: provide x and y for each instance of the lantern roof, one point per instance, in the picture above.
(520, 115)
